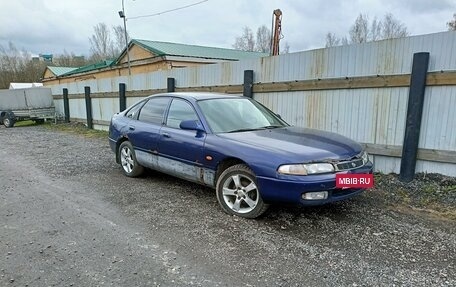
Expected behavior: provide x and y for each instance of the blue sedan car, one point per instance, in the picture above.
(236, 145)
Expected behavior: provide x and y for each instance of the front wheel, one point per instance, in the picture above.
(238, 193)
(130, 165)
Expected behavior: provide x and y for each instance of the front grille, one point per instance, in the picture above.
(351, 164)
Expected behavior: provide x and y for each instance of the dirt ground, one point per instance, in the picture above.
(68, 217)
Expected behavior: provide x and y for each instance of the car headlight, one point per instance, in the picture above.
(305, 169)
(365, 157)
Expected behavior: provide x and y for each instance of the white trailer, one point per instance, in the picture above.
(34, 104)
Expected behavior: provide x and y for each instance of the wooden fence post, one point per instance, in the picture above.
(122, 97)
(414, 116)
(88, 102)
(66, 105)
(248, 83)
(171, 85)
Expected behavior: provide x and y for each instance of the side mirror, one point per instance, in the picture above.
(194, 125)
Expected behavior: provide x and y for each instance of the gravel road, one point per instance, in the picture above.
(70, 218)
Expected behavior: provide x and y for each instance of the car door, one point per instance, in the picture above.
(144, 130)
(181, 151)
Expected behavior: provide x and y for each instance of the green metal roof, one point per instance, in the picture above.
(91, 67)
(184, 50)
(58, 71)
(166, 49)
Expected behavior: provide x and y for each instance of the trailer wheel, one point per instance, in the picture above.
(39, 121)
(8, 122)
(9, 119)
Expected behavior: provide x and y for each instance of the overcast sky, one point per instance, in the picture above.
(52, 26)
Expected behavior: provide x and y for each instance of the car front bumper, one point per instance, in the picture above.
(291, 188)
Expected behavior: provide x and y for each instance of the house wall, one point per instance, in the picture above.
(48, 74)
(360, 91)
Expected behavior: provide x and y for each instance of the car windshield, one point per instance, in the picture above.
(238, 115)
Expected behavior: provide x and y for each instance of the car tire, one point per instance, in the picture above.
(127, 156)
(238, 192)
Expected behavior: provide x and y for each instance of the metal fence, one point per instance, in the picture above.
(360, 91)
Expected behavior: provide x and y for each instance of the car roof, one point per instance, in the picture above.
(198, 95)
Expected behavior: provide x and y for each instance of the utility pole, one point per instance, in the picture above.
(277, 32)
(122, 15)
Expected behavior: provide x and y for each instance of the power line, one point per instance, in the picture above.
(167, 11)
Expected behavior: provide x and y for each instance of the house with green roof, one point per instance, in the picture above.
(148, 56)
(56, 71)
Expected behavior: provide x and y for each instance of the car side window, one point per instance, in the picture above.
(133, 112)
(179, 111)
(153, 110)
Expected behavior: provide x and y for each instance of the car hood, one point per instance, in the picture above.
(299, 144)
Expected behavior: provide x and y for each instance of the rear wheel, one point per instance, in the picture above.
(238, 193)
(130, 165)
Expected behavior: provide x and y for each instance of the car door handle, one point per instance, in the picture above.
(131, 128)
(166, 135)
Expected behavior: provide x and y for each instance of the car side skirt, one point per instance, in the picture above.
(176, 168)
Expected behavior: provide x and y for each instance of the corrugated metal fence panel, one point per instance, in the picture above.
(376, 58)
(438, 127)
(366, 115)
(140, 82)
(435, 167)
(93, 84)
(59, 108)
(392, 165)
(104, 86)
(57, 89)
(387, 164)
(118, 80)
(77, 108)
(103, 109)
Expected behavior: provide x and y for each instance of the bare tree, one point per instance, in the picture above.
(101, 43)
(392, 28)
(246, 42)
(344, 41)
(119, 38)
(359, 32)
(375, 30)
(263, 40)
(332, 40)
(69, 60)
(286, 49)
(452, 24)
(18, 66)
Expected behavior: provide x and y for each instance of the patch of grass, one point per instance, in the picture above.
(433, 193)
(25, 123)
(79, 129)
(449, 188)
